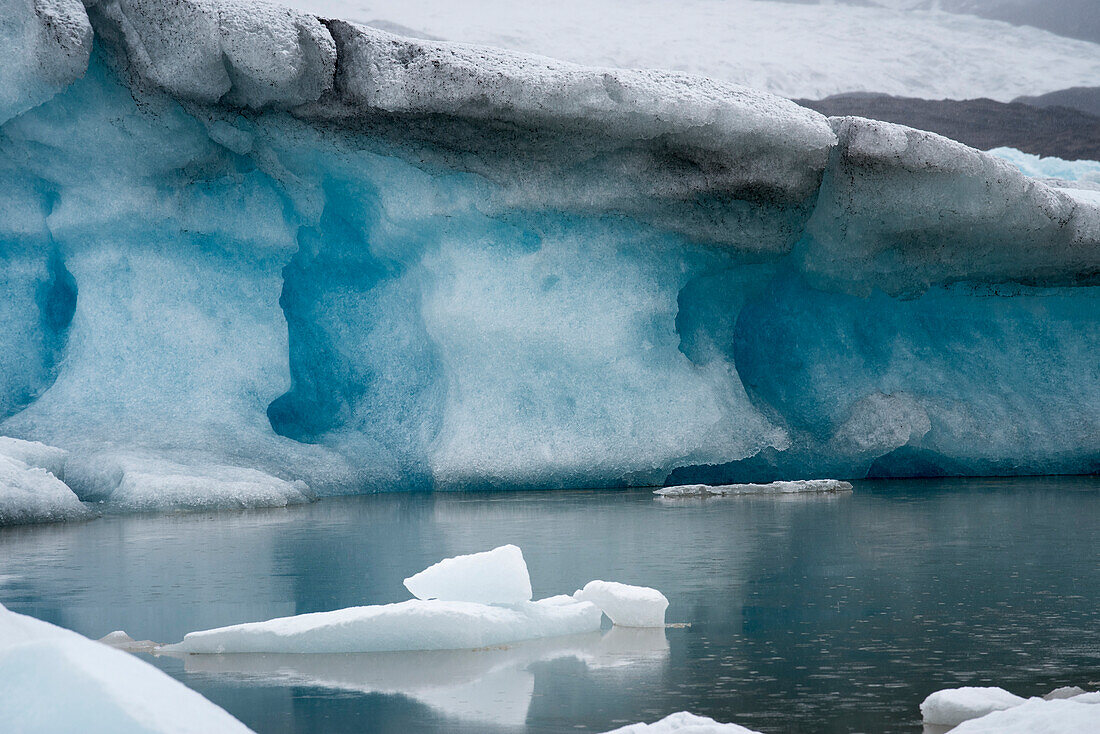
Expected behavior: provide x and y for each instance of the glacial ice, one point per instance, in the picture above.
(498, 576)
(683, 722)
(981, 710)
(800, 486)
(54, 680)
(246, 267)
(626, 605)
(408, 625)
(1036, 716)
(952, 706)
(30, 490)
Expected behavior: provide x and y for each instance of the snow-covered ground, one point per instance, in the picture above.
(795, 50)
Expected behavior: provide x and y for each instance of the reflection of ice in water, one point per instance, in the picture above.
(492, 685)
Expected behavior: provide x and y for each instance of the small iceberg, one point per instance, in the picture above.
(625, 605)
(683, 722)
(467, 602)
(801, 486)
(985, 710)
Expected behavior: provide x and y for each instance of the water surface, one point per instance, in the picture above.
(807, 614)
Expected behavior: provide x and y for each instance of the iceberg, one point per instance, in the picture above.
(498, 576)
(801, 486)
(30, 490)
(952, 706)
(252, 257)
(683, 722)
(477, 601)
(626, 605)
(54, 680)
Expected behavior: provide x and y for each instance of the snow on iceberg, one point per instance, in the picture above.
(626, 605)
(683, 722)
(504, 615)
(801, 486)
(360, 262)
(498, 576)
(54, 680)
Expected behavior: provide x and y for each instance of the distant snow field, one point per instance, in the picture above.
(798, 51)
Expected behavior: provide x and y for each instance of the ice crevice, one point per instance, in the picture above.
(252, 256)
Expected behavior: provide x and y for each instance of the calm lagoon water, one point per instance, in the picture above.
(826, 614)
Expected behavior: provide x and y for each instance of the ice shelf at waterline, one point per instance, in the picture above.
(466, 602)
(249, 257)
(800, 486)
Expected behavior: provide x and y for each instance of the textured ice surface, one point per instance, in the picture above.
(30, 490)
(683, 722)
(498, 576)
(626, 605)
(55, 680)
(795, 487)
(796, 50)
(1036, 716)
(953, 706)
(409, 625)
(229, 270)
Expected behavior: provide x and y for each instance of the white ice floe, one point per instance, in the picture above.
(1035, 716)
(794, 487)
(985, 710)
(30, 490)
(498, 576)
(454, 623)
(953, 706)
(683, 722)
(56, 681)
(411, 625)
(625, 605)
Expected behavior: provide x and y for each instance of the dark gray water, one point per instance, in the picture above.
(828, 614)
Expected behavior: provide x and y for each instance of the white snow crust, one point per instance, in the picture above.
(798, 486)
(683, 722)
(626, 605)
(53, 681)
(795, 50)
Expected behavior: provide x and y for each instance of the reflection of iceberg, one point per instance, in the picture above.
(488, 685)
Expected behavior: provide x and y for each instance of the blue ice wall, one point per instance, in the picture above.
(368, 299)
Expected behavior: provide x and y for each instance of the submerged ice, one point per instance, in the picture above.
(250, 257)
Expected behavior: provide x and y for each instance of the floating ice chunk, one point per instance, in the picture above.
(626, 605)
(683, 723)
(1036, 716)
(411, 625)
(122, 641)
(35, 454)
(795, 487)
(498, 576)
(952, 706)
(54, 680)
(32, 494)
(1064, 692)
